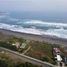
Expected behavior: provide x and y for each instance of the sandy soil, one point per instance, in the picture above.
(45, 38)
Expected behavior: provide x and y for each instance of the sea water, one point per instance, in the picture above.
(33, 26)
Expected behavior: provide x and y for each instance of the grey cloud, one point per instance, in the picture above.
(34, 5)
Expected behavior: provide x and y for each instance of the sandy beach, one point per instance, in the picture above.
(45, 38)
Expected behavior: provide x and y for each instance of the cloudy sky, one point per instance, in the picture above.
(33, 5)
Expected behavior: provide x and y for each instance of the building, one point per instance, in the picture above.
(23, 45)
(17, 44)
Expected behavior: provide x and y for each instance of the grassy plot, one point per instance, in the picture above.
(8, 61)
(41, 50)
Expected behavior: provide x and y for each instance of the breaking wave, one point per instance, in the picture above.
(38, 27)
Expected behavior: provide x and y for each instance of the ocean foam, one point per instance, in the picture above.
(19, 29)
(59, 32)
(46, 23)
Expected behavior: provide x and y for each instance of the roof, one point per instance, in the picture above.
(59, 58)
(23, 45)
(56, 49)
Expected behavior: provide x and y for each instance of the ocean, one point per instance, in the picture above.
(33, 26)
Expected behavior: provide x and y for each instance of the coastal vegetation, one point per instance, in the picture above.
(39, 50)
(7, 61)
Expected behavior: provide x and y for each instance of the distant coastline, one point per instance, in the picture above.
(45, 38)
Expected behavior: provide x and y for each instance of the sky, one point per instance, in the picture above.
(34, 5)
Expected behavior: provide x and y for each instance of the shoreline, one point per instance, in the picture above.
(43, 38)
